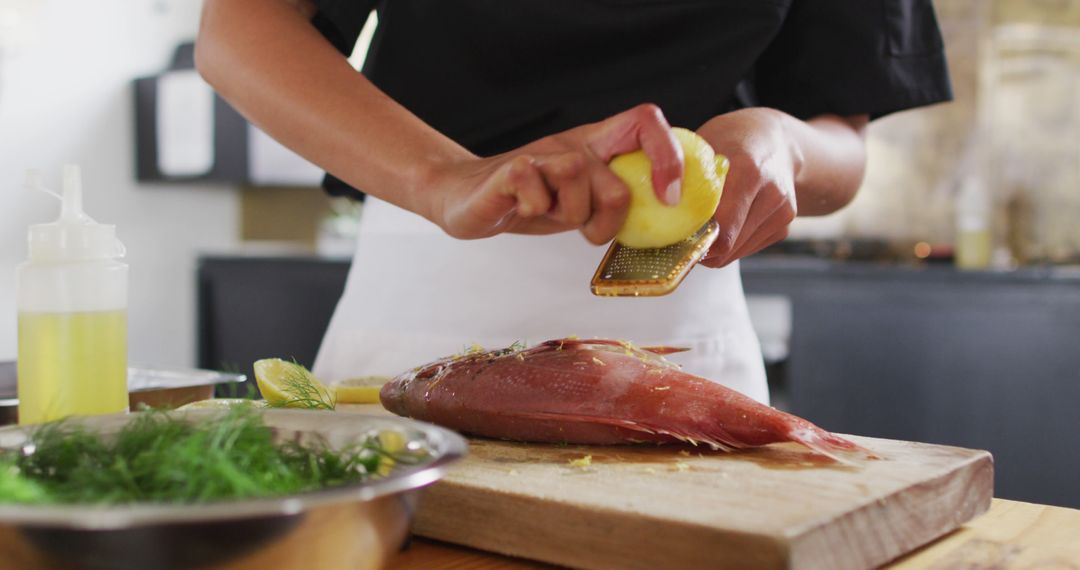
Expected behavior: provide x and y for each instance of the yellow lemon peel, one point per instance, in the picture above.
(650, 223)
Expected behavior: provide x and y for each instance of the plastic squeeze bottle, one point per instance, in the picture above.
(72, 299)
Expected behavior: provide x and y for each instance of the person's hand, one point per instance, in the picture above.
(558, 183)
(758, 202)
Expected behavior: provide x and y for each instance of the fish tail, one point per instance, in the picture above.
(824, 443)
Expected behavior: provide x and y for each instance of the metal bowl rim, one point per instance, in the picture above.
(453, 447)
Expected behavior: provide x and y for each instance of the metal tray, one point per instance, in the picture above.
(154, 386)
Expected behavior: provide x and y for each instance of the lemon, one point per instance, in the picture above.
(392, 443)
(288, 384)
(650, 223)
(361, 390)
(222, 404)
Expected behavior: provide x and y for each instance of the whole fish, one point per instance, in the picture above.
(593, 391)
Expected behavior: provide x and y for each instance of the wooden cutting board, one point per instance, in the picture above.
(684, 507)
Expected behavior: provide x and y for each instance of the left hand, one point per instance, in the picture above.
(758, 202)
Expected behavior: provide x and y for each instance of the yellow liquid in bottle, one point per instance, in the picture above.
(973, 249)
(72, 364)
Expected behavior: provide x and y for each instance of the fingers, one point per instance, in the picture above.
(754, 237)
(751, 248)
(756, 246)
(589, 196)
(610, 204)
(643, 128)
(750, 220)
(566, 179)
(526, 184)
(759, 214)
(514, 190)
(731, 214)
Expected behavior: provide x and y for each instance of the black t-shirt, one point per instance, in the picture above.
(497, 74)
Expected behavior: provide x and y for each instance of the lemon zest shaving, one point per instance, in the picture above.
(581, 462)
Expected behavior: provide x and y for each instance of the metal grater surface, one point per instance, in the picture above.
(650, 272)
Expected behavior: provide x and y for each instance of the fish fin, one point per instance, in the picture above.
(824, 443)
(585, 418)
(662, 350)
(722, 441)
(716, 438)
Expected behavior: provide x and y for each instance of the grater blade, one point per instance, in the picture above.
(651, 272)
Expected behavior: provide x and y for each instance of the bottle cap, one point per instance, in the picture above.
(74, 235)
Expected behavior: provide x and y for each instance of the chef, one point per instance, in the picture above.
(480, 131)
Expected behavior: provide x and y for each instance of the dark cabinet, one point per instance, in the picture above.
(980, 360)
(254, 307)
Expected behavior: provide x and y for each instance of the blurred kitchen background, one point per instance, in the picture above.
(942, 306)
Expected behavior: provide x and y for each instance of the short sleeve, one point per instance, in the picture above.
(340, 21)
(852, 57)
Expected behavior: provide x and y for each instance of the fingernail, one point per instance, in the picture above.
(673, 193)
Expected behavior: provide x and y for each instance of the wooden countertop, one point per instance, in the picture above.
(1010, 535)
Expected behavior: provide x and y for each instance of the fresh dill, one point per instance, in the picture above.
(161, 458)
(302, 390)
(518, 346)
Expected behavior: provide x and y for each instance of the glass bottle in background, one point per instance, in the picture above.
(72, 301)
(974, 243)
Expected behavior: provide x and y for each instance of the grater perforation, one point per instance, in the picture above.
(650, 272)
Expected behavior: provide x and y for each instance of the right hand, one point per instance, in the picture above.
(558, 183)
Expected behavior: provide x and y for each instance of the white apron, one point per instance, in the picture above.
(415, 294)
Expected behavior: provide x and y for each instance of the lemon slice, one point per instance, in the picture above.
(360, 390)
(222, 404)
(290, 385)
(650, 223)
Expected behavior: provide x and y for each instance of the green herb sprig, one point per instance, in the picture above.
(161, 458)
(304, 391)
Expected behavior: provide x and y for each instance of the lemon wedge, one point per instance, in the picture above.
(222, 404)
(650, 223)
(360, 390)
(290, 385)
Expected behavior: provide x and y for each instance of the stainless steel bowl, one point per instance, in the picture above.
(350, 526)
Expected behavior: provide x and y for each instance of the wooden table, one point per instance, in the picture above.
(1012, 535)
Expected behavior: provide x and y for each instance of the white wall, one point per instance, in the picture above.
(66, 96)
